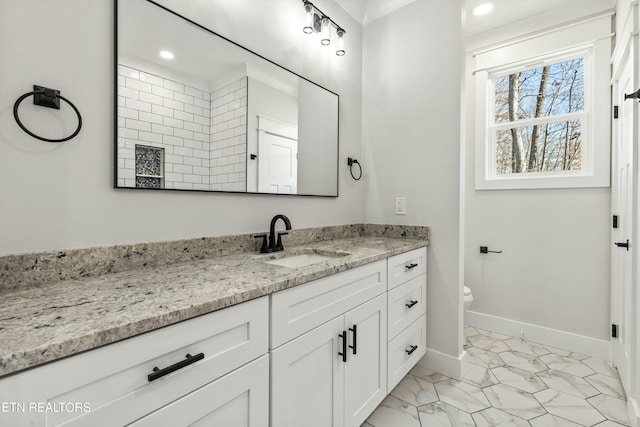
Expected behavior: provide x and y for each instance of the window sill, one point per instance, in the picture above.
(524, 182)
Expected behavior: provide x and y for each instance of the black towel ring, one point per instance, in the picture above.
(350, 163)
(50, 98)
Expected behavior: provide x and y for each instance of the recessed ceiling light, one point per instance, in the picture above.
(483, 9)
(166, 54)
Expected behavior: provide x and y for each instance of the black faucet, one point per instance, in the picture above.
(275, 246)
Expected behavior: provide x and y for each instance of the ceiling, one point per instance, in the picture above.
(365, 11)
(504, 11)
(509, 11)
(202, 59)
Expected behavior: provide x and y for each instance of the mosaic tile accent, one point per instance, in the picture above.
(148, 182)
(148, 160)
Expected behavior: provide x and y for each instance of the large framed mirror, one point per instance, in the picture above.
(197, 112)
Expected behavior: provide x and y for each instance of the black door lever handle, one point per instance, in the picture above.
(623, 245)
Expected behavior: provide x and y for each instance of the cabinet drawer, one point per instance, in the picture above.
(407, 303)
(406, 266)
(297, 310)
(239, 399)
(113, 381)
(400, 361)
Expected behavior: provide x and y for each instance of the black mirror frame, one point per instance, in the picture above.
(115, 111)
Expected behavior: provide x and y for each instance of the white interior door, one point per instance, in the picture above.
(623, 187)
(277, 157)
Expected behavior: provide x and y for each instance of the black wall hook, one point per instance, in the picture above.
(634, 95)
(50, 98)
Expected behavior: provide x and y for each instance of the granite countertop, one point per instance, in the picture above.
(40, 324)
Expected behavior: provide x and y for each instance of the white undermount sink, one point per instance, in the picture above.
(303, 260)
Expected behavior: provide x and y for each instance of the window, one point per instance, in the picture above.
(537, 125)
(539, 117)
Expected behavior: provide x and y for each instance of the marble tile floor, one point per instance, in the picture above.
(508, 382)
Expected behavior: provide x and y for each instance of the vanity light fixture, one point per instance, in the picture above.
(340, 43)
(166, 54)
(308, 18)
(325, 32)
(315, 21)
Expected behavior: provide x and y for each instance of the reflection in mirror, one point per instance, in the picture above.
(198, 112)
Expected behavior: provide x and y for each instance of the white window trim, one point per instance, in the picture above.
(590, 40)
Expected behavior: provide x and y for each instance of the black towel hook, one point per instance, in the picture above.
(46, 97)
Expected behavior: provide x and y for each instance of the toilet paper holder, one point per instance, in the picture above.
(485, 250)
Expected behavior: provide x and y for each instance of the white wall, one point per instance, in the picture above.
(55, 196)
(317, 153)
(412, 62)
(554, 271)
(265, 100)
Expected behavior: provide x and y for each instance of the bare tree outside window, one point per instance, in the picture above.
(529, 136)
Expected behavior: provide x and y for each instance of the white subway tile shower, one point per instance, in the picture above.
(229, 137)
(202, 134)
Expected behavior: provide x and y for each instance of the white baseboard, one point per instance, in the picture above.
(633, 410)
(564, 340)
(444, 364)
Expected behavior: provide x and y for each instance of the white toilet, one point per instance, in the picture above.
(468, 298)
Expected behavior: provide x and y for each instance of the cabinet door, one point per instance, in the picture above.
(239, 399)
(307, 377)
(365, 384)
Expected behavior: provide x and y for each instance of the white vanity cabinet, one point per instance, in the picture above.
(329, 349)
(407, 300)
(321, 354)
(239, 399)
(229, 383)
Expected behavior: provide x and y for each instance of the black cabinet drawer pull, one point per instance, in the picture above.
(413, 348)
(343, 335)
(159, 373)
(410, 266)
(411, 304)
(355, 338)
